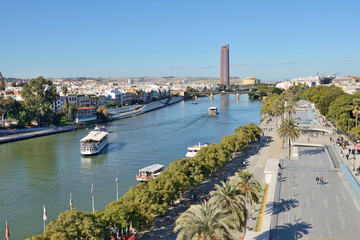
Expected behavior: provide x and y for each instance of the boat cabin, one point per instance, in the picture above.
(149, 172)
(212, 110)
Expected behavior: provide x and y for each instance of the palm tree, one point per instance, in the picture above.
(278, 109)
(356, 110)
(229, 197)
(249, 187)
(289, 131)
(205, 221)
(289, 108)
(64, 90)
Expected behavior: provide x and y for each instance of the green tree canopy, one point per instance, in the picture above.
(38, 96)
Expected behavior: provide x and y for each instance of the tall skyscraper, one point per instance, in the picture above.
(224, 66)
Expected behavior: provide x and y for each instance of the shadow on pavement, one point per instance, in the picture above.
(288, 231)
(283, 206)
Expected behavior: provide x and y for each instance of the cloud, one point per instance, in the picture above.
(177, 67)
(295, 62)
(239, 65)
(207, 66)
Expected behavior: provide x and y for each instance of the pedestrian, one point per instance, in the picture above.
(279, 166)
(330, 139)
(321, 180)
(308, 139)
(279, 175)
(207, 198)
(317, 180)
(347, 156)
(194, 197)
(349, 150)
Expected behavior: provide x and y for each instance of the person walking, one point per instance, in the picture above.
(349, 150)
(321, 180)
(279, 175)
(347, 156)
(279, 166)
(317, 180)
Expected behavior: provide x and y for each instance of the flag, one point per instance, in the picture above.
(71, 205)
(45, 214)
(92, 189)
(130, 228)
(7, 233)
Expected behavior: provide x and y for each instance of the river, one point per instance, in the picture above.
(45, 170)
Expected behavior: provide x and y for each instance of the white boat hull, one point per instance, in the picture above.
(93, 151)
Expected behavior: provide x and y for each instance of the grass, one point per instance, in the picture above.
(262, 209)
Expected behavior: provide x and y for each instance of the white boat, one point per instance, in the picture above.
(212, 110)
(94, 142)
(193, 150)
(150, 172)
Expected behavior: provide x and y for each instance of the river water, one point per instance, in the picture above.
(47, 169)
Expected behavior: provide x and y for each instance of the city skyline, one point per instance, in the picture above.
(274, 40)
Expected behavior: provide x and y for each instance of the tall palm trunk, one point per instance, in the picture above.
(289, 149)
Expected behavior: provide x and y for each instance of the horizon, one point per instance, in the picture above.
(273, 40)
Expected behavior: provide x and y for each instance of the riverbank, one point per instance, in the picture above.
(22, 134)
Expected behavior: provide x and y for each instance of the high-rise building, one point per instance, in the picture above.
(224, 66)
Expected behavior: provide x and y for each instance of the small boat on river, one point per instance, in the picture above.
(193, 150)
(94, 142)
(212, 111)
(150, 172)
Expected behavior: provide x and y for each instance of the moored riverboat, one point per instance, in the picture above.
(150, 172)
(193, 150)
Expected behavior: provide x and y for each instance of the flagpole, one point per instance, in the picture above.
(44, 216)
(71, 205)
(117, 187)
(92, 196)
(7, 233)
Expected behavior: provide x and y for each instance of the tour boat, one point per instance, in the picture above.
(193, 150)
(94, 142)
(150, 172)
(212, 110)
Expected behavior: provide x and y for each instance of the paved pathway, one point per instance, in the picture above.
(35, 133)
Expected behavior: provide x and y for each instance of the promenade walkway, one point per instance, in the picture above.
(290, 204)
(21, 134)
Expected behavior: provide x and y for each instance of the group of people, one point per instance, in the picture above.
(319, 180)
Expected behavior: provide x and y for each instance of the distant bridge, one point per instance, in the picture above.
(212, 94)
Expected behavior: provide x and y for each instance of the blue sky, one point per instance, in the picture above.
(274, 40)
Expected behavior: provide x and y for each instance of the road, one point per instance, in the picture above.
(304, 208)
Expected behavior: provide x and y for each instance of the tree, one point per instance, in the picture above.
(289, 131)
(75, 224)
(38, 96)
(5, 106)
(277, 91)
(248, 186)
(228, 196)
(356, 109)
(64, 90)
(205, 221)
